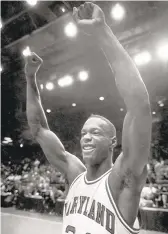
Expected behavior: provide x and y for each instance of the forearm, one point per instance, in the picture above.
(35, 113)
(128, 80)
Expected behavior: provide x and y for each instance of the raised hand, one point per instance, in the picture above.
(89, 17)
(32, 64)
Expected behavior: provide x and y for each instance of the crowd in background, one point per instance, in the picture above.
(27, 181)
(34, 186)
(155, 193)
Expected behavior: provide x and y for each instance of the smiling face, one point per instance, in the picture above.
(96, 141)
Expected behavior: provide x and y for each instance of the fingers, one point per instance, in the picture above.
(83, 12)
(34, 58)
(75, 14)
(89, 6)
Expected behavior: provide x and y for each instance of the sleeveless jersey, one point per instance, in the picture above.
(90, 209)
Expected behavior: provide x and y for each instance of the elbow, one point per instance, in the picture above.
(139, 104)
(34, 129)
(146, 108)
(34, 133)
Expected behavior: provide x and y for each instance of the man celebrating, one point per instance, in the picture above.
(103, 198)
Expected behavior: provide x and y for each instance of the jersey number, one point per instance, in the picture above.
(71, 229)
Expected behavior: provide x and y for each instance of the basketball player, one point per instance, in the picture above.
(103, 198)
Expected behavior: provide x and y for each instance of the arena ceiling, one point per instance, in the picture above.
(42, 29)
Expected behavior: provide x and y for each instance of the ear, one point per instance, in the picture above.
(113, 142)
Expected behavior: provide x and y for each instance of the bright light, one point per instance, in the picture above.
(70, 30)
(41, 86)
(62, 9)
(0, 24)
(8, 139)
(142, 58)
(73, 104)
(26, 52)
(83, 75)
(154, 113)
(65, 81)
(161, 104)
(1, 69)
(121, 109)
(163, 51)
(32, 2)
(101, 98)
(21, 145)
(118, 12)
(48, 111)
(49, 85)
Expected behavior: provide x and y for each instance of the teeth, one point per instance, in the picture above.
(88, 148)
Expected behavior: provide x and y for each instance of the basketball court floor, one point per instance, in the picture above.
(23, 222)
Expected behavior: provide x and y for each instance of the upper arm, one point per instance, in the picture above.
(136, 139)
(54, 150)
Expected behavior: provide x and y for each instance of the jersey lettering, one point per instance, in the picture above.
(82, 201)
(91, 214)
(110, 221)
(93, 210)
(100, 214)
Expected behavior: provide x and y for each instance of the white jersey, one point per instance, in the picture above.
(90, 209)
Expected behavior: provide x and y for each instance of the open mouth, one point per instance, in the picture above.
(88, 148)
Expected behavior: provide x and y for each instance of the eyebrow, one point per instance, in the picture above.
(95, 128)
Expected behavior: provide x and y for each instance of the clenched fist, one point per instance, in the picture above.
(89, 17)
(32, 64)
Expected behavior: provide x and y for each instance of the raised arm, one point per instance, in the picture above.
(136, 135)
(137, 124)
(52, 147)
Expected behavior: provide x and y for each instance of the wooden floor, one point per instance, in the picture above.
(23, 222)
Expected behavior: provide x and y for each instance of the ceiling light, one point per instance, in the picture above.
(142, 58)
(70, 30)
(121, 109)
(118, 12)
(73, 104)
(0, 24)
(161, 104)
(1, 69)
(65, 81)
(8, 139)
(154, 113)
(83, 75)
(21, 145)
(32, 2)
(41, 86)
(101, 98)
(49, 85)
(62, 9)
(163, 51)
(26, 52)
(48, 111)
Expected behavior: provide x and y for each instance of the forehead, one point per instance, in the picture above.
(95, 123)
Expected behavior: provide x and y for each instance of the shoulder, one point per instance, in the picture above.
(74, 168)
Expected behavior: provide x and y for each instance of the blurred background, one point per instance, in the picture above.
(75, 81)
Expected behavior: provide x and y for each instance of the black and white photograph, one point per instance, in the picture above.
(84, 117)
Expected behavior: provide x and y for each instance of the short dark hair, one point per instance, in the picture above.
(112, 129)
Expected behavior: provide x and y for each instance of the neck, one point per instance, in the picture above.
(95, 171)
